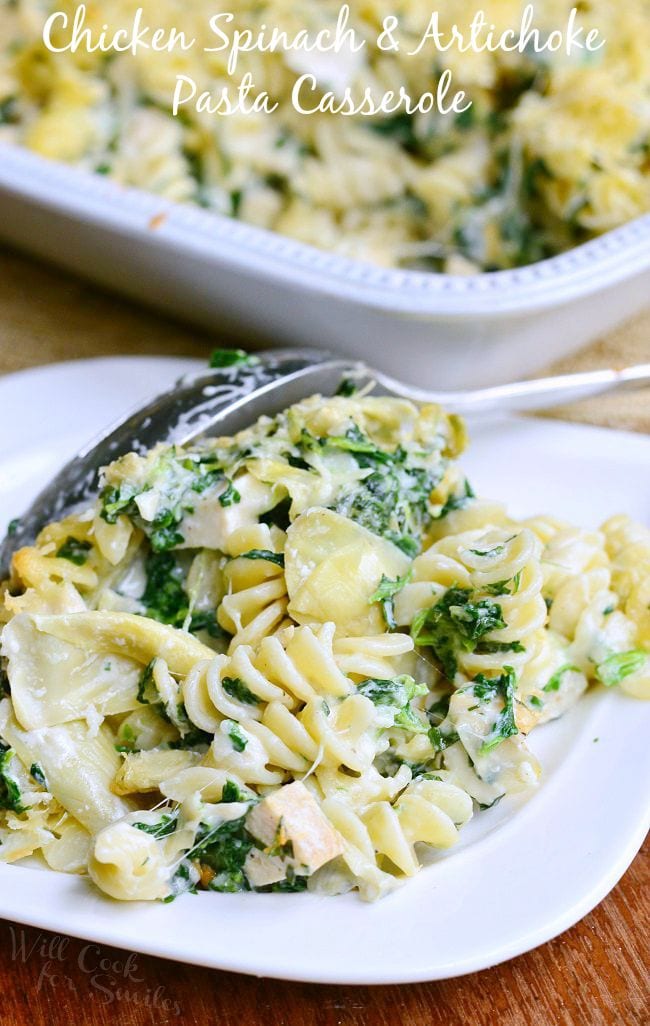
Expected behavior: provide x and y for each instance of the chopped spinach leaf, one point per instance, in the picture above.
(279, 848)
(438, 711)
(224, 851)
(182, 882)
(488, 647)
(385, 594)
(10, 796)
(191, 739)
(230, 496)
(164, 596)
(236, 688)
(554, 682)
(165, 826)
(401, 128)
(118, 500)
(398, 694)
(146, 683)
(205, 620)
(128, 739)
(456, 624)
(232, 357)
(237, 737)
(457, 501)
(617, 667)
(270, 557)
(440, 741)
(347, 388)
(509, 587)
(355, 442)
(534, 172)
(36, 773)
(394, 500)
(74, 550)
(9, 105)
(494, 550)
(485, 689)
(164, 534)
(231, 793)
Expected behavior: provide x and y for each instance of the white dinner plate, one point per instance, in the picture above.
(520, 875)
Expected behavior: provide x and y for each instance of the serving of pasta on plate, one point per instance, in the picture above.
(300, 657)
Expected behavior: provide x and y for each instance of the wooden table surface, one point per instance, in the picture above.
(595, 974)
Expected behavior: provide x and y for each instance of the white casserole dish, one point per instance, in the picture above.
(260, 287)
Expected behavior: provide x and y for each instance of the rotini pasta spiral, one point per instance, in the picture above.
(498, 567)
(255, 605)
(628, 546)
(381, 839)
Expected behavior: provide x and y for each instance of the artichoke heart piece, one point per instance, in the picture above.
(128, 635)
(54, 681)
(333, 566)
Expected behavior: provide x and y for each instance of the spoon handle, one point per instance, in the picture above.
(537, 394)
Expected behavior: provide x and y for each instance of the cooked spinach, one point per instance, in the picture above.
(119, 499)
(223, 850)
(456, 501)
(178, 476)
(394, 500)
(270, 557)
(162, 532)
(488, 647)
(10, 795)
(147, 686)
(237, 737)
(36, 773)
(236, 688)
(231, 793)
(205, 620)
(347, 388)
(385, 594)
(508, 587)
(232, 358)
(192, 738)
(12, 527)
(163, 828)
(617, 667)
(74, 550)
(485, 689)
(441, 740)
(397, 694)
(456, 624)
(164, 596)
(554, 682)
(401, 128)
(182, 882)
(230, 496)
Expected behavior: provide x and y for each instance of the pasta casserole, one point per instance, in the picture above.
(553, 150)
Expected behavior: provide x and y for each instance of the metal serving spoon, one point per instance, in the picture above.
(222, 401)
